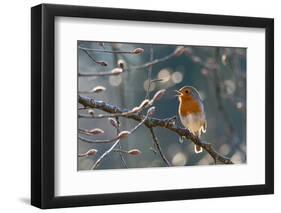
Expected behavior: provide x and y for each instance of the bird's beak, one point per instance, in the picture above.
(178, 93)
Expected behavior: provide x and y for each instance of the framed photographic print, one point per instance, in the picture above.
(140, 106)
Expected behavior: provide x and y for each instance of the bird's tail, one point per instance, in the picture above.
(197, 149)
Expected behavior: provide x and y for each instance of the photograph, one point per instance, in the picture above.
(160, 105)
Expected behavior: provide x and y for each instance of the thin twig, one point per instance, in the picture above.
(155, 139)
(127, 152)
(83, 108)
(117, 141)
(120, 150)
(157, 80)
(96, 164)
(104, 115)
(218, 94)
(145, 103)
(121, 90)
(149, 72)
(86, 116)
(99, 74)
(102, 63)
(138, 67)
(107, 51)
(154, 62)
(119, 144)
(98, 141)
(89, 153)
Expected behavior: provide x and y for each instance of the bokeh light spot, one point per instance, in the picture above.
(179, 159)
(239, 105)
(224, 149)
(236, 158)
(164, 74)
(229, 87)
(145, 85)
(177, 77)
(115, 80)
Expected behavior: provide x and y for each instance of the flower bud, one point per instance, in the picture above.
(102, 63)
(135, 109)
(113, 122)
(95, 131)
(91, 152)
(121, 63)
(151, 110)
(91, 112)
(204, 72)
(144, 103)
(158, 95)
(98, 89)
(180, 50)
(140, 107)
(134, 152)
(124, 134)
(224, 59)
(138, 51)
(100, 44)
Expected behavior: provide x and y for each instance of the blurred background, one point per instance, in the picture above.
(218, 73)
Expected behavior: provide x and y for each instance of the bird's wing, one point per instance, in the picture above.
(203, 118)
(204, 126)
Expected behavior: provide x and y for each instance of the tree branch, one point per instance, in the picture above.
(115, 71)
(117, 140)
(105, 154)
(155, 61)
(133, 52)
(155, 139)
(149, 72)
(120, 146)
(102, 63)
(175, 53)
(151, 122)
(98, 141)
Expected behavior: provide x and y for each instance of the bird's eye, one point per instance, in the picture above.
(186, 91)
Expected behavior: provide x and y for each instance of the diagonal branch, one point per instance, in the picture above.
(102, 63)
(120, 146)
(149, 72)
(155, 139)
(96, 164)
(151, 122)
(155, 61)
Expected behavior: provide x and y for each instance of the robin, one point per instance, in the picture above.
(191, 112)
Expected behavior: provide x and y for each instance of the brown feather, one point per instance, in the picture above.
(188, 105)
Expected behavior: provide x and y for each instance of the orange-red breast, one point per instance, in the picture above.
(191, 112)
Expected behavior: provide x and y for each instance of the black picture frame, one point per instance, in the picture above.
(43, 105)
